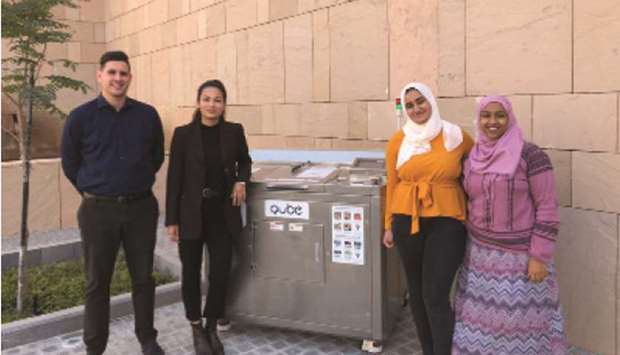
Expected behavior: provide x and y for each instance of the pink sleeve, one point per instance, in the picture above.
(546, 219)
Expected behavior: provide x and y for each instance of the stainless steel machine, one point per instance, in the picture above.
(310, 257)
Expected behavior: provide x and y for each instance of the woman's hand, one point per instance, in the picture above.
(536, 270)
(173, 233)
(388, 239)
(238, 193)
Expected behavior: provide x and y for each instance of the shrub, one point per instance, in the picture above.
(60, 286)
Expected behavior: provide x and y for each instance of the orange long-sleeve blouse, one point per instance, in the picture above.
(427, 185)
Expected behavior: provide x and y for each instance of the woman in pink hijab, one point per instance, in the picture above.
(507, 300)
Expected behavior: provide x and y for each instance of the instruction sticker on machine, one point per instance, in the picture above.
(348, 235)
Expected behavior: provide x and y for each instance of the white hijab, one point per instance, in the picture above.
(418, 137)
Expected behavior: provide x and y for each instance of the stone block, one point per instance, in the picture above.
(142, 73)
(262, 11)
(460, 111)
(155, 36)
(414, 44)
(561, 161)
(299, 142)
(135, 46)
(265, 64)
(91, 52)
(240, 14)
(325, 120)
(358, 120)
(114, 9)
(243, 66)
(282, 8)
(169, 34)
(323, 143)
(44, 207)
(180, 77)
(215, 20)
(266, 142)
(100, 32)
(451, 48)
(70, 200)
(181, 116)
(74, 51)
(111, 28)
(226, 62)
(248, 116)
(187, 28)
(268, 123)
(311, 5)
(592, 119)
(587, 264)
(200, 4)
(359, 37)
(92, 11)
(381, 120)
(596, 45)
(358, 144)
(287, 119)
(132, 21)
(54, 50)
(160, 67)
(178, 8)
(203, 61)
(595, 181)
(82, 31)
(510, 56)
(320, 56)
(298, 59)
(156, 12)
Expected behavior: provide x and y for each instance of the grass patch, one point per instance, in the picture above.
(59, 286)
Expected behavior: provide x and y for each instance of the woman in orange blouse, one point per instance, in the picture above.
(425, 210)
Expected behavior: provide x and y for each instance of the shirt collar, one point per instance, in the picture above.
(102, 102)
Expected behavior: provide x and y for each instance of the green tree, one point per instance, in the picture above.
(29, 27)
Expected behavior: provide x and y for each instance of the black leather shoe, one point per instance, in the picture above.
(214, 339)
(201, 341)
(152, 348)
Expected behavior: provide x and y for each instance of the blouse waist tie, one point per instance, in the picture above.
(421, 196)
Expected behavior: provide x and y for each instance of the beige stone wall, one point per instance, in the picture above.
(299, 73)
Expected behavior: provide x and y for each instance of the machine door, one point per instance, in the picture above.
(291, 251)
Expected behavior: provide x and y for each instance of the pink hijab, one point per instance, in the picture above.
(499, 156)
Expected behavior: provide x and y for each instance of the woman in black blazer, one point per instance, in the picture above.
(207, 175)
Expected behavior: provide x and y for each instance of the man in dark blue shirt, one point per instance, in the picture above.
(112, 147)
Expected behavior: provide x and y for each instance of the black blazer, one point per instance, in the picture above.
(186, 176)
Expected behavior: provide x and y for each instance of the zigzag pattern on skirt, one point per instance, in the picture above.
(498, 311)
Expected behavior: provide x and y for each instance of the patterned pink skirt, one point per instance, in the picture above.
(498, 311)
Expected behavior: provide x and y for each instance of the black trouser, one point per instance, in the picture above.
(430, 259)
(219, 245)
(104, 226)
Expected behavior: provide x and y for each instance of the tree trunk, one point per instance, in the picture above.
(26, 138)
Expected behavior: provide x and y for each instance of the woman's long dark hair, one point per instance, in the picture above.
(210, 83)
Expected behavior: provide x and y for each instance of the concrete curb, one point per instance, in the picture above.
(68, 320)
(33, 329)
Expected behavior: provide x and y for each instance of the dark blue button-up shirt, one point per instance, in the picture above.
(110, 153)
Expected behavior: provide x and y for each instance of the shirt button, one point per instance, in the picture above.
(122, 157)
